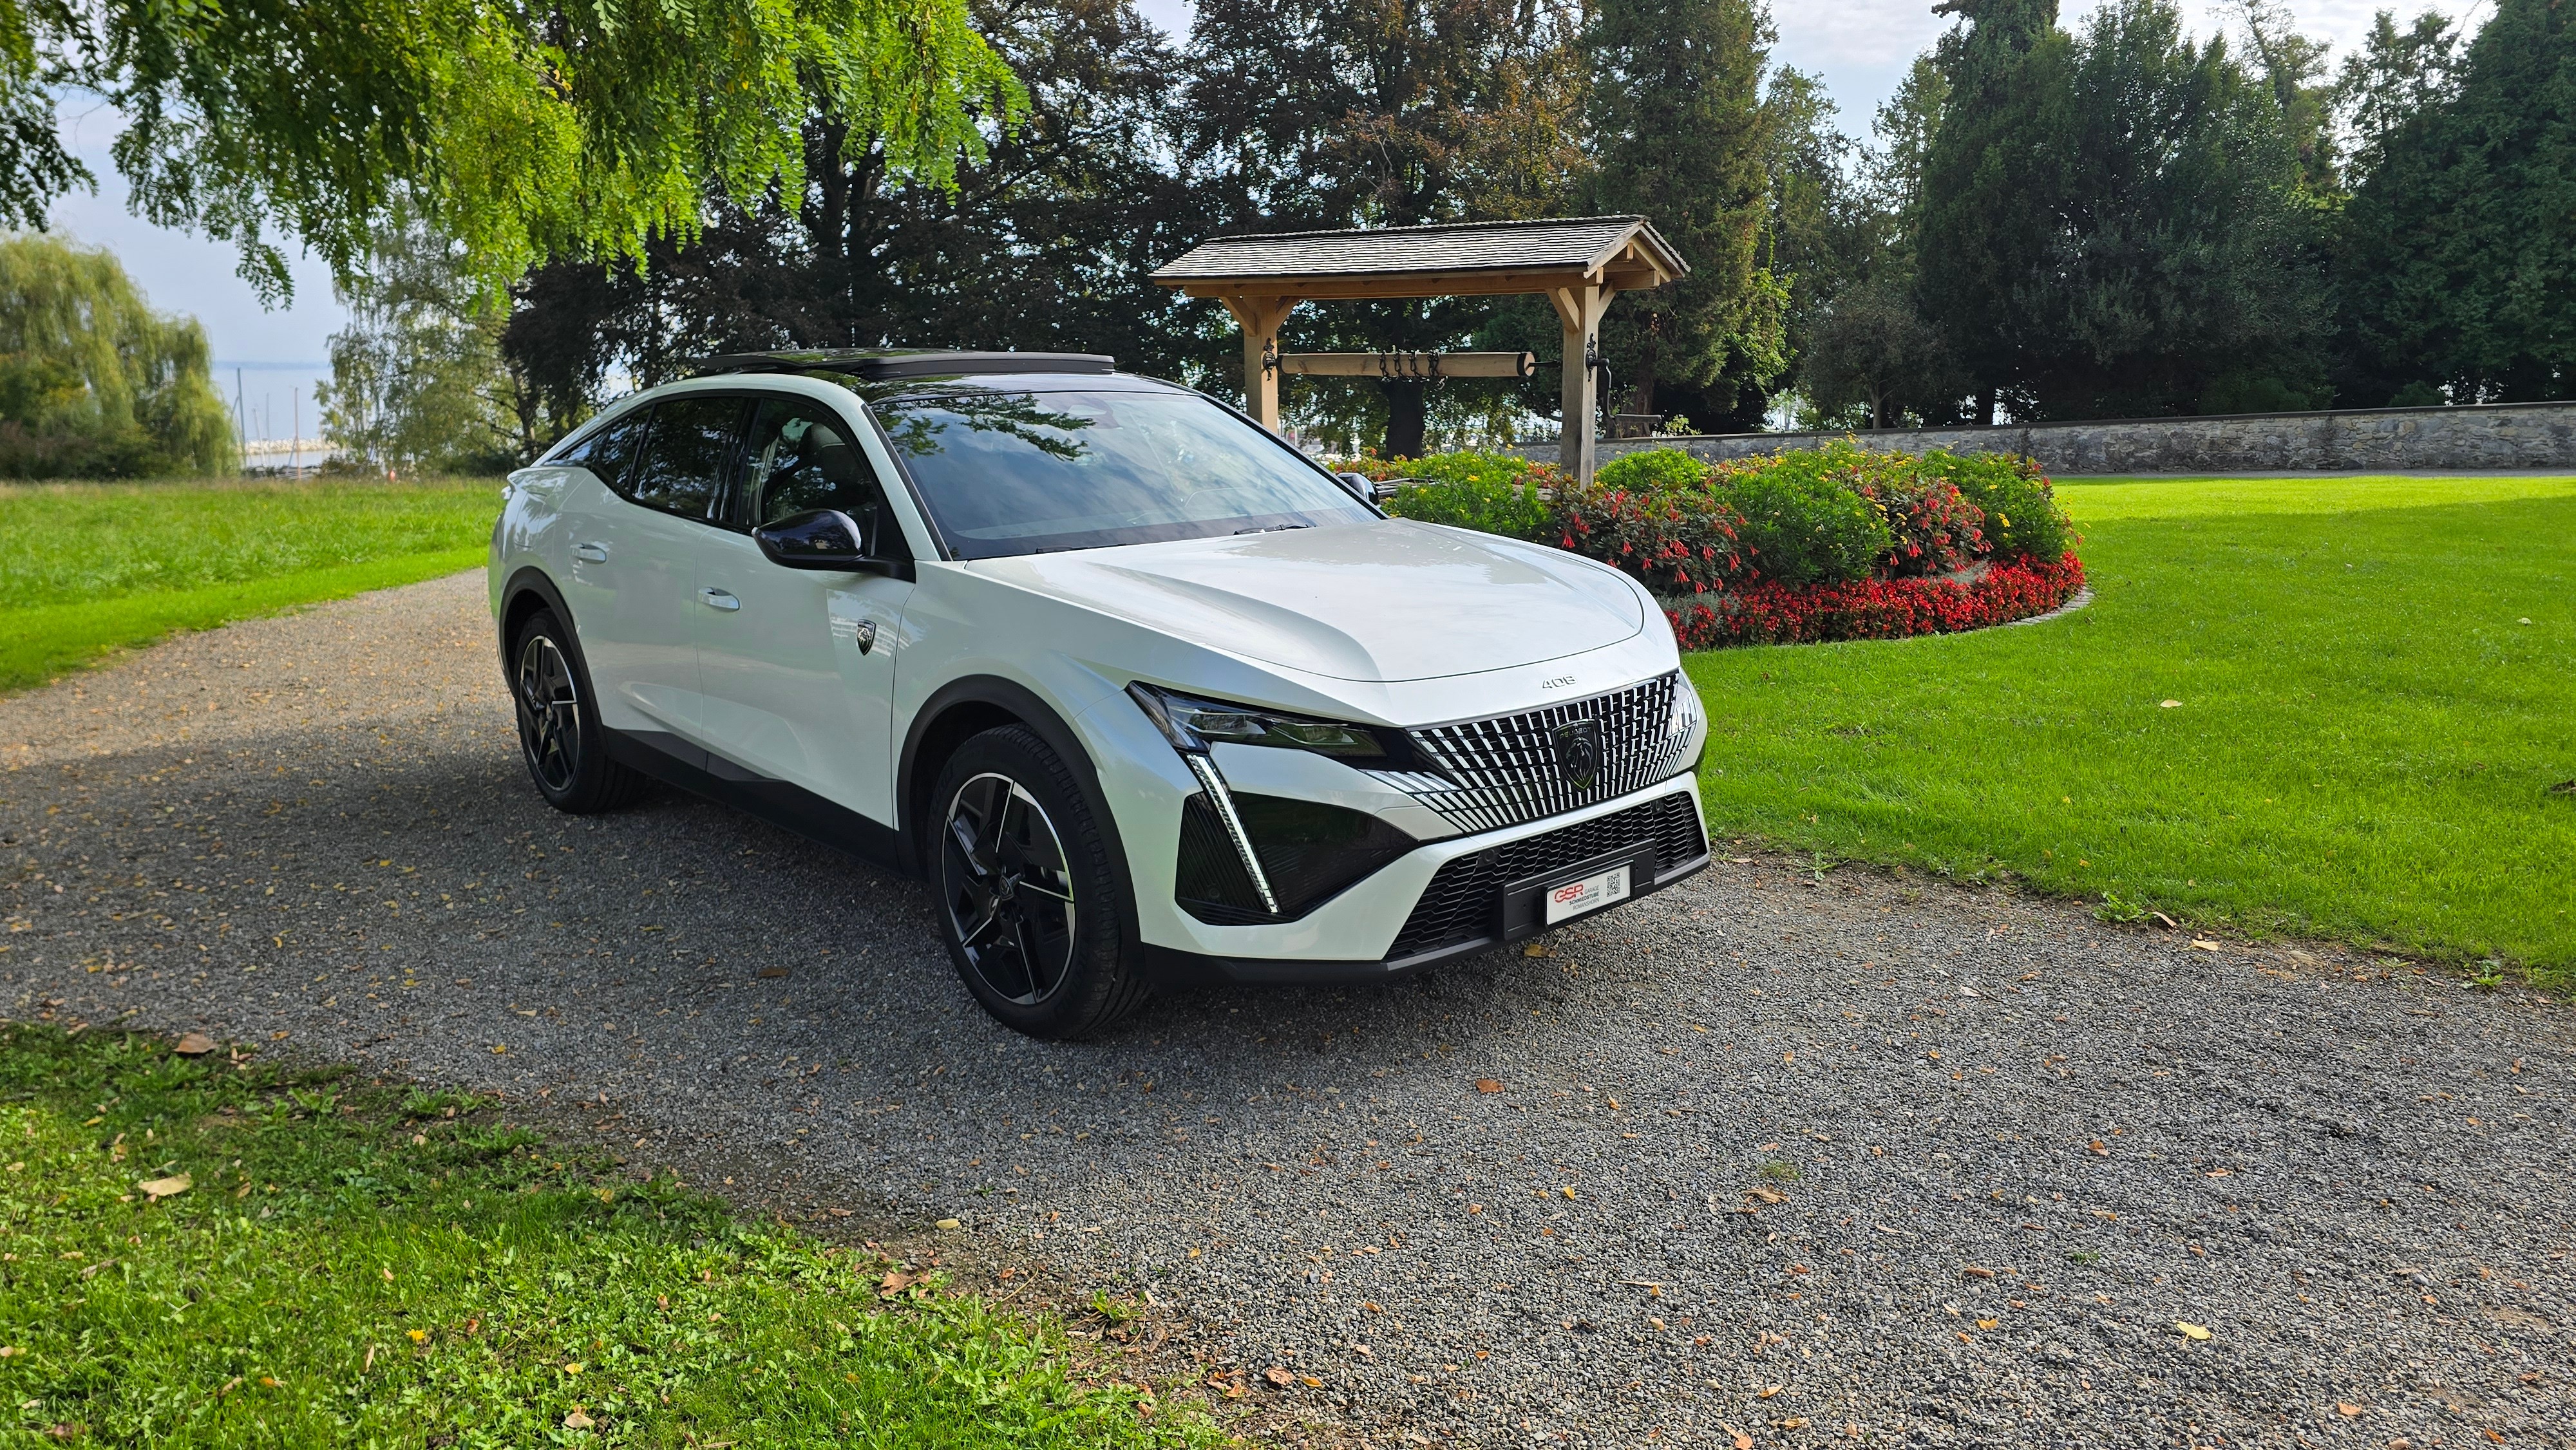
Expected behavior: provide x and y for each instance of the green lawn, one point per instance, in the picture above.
(2376, 692)
(90, 568)
(351, 1265)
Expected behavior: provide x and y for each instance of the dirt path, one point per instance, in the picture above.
(1941, 1167)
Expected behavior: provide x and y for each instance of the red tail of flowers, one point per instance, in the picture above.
(1878, 608)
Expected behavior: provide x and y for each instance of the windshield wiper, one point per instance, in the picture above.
(1274, 528)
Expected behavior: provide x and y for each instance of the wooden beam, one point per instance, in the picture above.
(1259, 317)
(1408, 364)
(1578, 315)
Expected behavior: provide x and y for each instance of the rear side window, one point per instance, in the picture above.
(686, 452)
(800, 457)
(606, 452)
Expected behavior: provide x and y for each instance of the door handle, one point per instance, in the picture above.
(591, 553)
(719, 599)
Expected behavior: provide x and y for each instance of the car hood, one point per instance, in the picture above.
(1382, 601)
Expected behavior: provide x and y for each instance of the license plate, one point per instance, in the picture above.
(1589, 894)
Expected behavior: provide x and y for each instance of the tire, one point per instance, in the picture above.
(1029, 899)
(560, 738)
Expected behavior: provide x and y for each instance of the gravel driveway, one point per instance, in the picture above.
(1767, 1155)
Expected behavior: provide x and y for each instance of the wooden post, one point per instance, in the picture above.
(1260, 318)
(1578, 312)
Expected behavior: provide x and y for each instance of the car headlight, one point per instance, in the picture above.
(1194, 726)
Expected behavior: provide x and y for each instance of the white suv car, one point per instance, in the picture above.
(1142, 692)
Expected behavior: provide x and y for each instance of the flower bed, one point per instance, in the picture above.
(1820, 544)
(1877, 608)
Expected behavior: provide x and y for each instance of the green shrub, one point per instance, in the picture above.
(2022, 516)
(1654, 470)
(1492, 502)
(1801, 526)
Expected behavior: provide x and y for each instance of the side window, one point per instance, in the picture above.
(606, 452)
(800, 457)
(686, 450)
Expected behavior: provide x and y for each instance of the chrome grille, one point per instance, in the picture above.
(1503, 771)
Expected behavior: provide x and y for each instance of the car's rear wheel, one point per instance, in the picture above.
(559, 731)
(1029, 898)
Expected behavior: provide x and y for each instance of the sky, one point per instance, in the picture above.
(1860, 48)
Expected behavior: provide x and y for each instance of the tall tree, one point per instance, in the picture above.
(1684, 138)
(2116, 225)
(2458, 264)
(1992, 179)
(93, 382)
(1329, 113)
(524, 132)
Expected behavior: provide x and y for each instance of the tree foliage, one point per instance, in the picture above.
(2458, 258)
(418, 382)
(93, 383)
(1043, 241)
(2112, 223)
(523, 133)
(1684, 137)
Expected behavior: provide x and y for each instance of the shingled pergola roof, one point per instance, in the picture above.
(1471, 259)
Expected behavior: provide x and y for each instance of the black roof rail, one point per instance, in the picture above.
(874, 364)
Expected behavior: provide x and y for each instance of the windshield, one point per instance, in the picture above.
(1021, 473)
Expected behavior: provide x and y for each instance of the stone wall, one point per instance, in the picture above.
(2395, 440)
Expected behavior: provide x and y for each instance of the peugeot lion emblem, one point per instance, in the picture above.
(1578, 752)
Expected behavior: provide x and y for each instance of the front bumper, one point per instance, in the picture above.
(1457, 898)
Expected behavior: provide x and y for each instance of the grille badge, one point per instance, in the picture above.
(1578, 752)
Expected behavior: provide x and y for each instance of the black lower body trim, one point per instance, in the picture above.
(1511, 912)
(675, 761)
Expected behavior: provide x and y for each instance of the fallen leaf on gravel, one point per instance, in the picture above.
(2096, 1146)
(2347, 1408)
(1740, 1440)
(1767, 1391)
(1489, 1085)
(895, 1282)
(1311, 1382)
(2167, 922)
(2204, 944)
(773, 972)
(948, 1223)
(157, 1189)
(1767, 1195)
(1988, 1323)
(2216, 1173)
(1973, 1272)
(2030, 976)
(2190, 1330)
(1279, 1376)
(1535, 949)
(194, 1044)
(1568, 1190)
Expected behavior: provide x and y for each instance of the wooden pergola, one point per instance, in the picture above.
(1578, 264)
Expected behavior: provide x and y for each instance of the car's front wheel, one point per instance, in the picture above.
(1028, 894)
(559, 732)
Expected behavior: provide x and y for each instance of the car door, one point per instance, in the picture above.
(797, 667)
(635, 554)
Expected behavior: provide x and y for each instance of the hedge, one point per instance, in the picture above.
(1826, 543)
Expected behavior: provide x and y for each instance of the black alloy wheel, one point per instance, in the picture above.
(559, 731)
(549, 713)
(1010, 899)
(1031, 901)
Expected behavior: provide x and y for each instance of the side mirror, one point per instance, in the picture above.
(1360, 485)
(824, 539)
